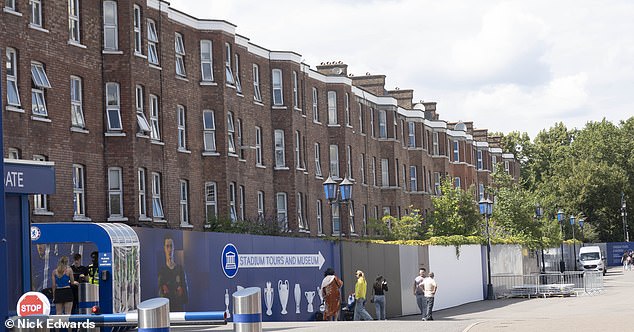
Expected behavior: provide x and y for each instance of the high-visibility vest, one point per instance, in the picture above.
(93, 274)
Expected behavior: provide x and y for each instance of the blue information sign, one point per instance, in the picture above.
(28, 178)
(230, 260)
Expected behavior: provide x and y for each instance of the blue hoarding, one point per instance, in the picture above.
(28, 177)
(615, 251)
(199, 271)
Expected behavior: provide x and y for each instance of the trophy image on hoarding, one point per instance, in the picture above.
(282, 290)
(268, 298)
(309, 298)
(298, 298)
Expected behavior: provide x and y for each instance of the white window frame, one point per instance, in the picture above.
(334, 160)
(233, 215)
(385, 172)
(349, 162)
(240, 139)
(10, 5)
(435, 144)
(280, 154)
(182, 127)
(157, 204)
(184, 202)
(230, 80)
(40, 82)
(211, 201)
(40, 201)
(411, 133)
(179, 50)
(298, 154)
(480, 191)
(73, 21)
(261, 209)
(257, 94)
(258, 146)
(110, 26)
(374, 171)
(351, 216)
(346, 107)
(372, 131)
(457, 182)
(295, 90)
(231, 143)
(281, 204)
(142, 188)
(209, 131)
(456, 151)
(507, 166)
(155, 125)
(413, 179)
(115, 192)
(365, 219)
(319, 218)
(36, 13)
(76, 103)
(361, 124)
(152, 43)
(479, 162)
(335, 214)
(318, 160)
(206, 61)
(277, 87)
(332, 107)
(79, 191)
(301, 219)
(142, 123)
(364, 180)
(138, 37)
(236, 66)
(382, 124)
(315, 105)
(494, 162)
(113, 107)
(437, 188)
(13, 94)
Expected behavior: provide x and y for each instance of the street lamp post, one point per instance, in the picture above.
(626, 233)
(486, 209)
(581, 221)
(574, 246)
(345, 194)
(539, 212)
(560, 219)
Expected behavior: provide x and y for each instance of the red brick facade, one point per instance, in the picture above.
(97, 148)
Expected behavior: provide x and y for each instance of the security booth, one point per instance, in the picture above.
(21, 178)
(119, 281)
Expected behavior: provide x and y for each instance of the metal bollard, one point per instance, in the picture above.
(247, 310)
(87, 297)
(34, 323)
(154, 315)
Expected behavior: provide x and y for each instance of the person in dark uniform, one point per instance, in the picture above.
(172, 281)
(79, 274)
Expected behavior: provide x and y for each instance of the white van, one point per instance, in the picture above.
(591, 259)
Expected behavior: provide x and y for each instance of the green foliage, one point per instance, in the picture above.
(454, 212)
(262, 226)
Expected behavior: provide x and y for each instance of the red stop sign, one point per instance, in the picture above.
(33, 303)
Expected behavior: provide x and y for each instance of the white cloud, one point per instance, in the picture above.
(505, 65)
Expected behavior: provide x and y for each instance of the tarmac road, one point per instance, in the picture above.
(609, 310)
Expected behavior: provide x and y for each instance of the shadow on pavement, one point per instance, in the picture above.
(453, 314)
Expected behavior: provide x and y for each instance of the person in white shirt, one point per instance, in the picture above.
(429, 288)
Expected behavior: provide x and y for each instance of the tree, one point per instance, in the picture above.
(454, 212)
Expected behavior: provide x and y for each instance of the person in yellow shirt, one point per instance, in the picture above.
(360, 289)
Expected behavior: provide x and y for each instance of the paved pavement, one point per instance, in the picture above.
(609, 310)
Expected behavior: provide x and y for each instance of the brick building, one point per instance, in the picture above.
(154, 117)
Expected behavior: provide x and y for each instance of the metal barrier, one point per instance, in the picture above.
(247, 310)
(154, 315)
(88, 297)
(548, 284)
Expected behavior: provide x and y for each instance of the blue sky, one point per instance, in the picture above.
(505, 65)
